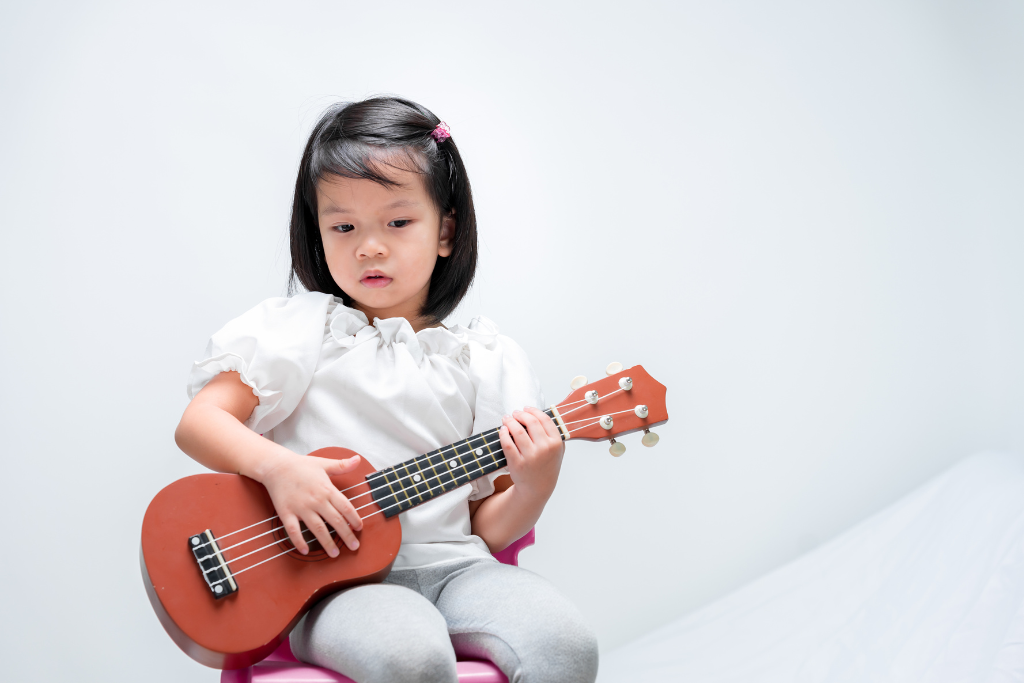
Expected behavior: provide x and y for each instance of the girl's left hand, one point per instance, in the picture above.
(533, 449)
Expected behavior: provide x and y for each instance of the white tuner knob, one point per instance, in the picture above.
(606, 422)
(591, 397)
(650, 438)
(613, 368)
(641, 411)
(625, 383)
(617, 448)
(577, 382)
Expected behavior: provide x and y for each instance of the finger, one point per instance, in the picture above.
(524, 442)
(549, 425)
(323, 534)
(335, 519)
(347, 510)
(516, 429)
(291, 526)
(532, 424)
(512, 454)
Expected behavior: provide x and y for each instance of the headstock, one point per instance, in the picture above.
(626, 401)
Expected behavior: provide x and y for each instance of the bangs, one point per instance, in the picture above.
(355, 159)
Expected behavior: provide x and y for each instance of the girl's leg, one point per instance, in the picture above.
(377, 633)
(519, 621)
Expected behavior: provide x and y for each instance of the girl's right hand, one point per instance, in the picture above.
(301, 489)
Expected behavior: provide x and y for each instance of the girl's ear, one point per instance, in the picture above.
(447, 237)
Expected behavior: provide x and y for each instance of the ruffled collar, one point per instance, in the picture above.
(350, 327)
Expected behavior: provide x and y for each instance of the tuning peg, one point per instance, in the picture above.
(617, 448)
(613, 368)
(577, 382)
(650, 438)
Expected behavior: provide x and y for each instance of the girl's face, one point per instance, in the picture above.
(381, 243)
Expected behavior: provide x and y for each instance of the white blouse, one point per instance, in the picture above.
(326, 377)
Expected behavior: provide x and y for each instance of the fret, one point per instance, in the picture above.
(380, 491)
(399, 493)
(396, 490)
(493, 454)
(435, 460)
(423, 486)
(488, 456)
(476, 451)
(465, 456)
(439, 463)
(408, 479)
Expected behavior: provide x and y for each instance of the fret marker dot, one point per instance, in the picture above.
(479, 451)
(195, 540)
(416, 477)
(452, 463)
(218, 589)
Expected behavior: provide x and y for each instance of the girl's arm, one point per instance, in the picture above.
(533, 449)
(212, 432)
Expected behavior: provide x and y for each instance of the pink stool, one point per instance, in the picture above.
(282, 667)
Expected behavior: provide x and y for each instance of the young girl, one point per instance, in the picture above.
(383, 230)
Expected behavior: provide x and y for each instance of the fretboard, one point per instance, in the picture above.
(408, 484)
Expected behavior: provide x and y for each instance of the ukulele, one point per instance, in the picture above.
(228, 585)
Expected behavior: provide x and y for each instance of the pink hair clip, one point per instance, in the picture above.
(441, 132)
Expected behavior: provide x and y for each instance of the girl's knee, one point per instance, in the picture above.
(571, 655)
(377, 634)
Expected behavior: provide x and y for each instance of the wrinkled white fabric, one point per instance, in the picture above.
(325, 376)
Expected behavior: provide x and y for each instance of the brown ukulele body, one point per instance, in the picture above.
(244, 627)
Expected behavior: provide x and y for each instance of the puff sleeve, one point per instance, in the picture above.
(504, 380)
(274, 347)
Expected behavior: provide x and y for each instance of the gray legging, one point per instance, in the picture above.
(410, 627)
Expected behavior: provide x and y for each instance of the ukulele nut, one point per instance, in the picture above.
(607, 422)
(626, 383)
(591, 397)
(641, 411)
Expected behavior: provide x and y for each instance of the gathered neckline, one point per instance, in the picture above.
(350, 327)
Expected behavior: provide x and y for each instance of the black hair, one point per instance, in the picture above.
(357, 139)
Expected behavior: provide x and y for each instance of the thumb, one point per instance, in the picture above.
(341, 466)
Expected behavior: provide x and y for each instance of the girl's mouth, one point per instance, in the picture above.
(375, 280)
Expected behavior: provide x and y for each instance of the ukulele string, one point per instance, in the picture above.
(440, 451)
(476, 470)
(332, 531)
(404, 487)
(452, 447)
(599, 399)
(483, 435)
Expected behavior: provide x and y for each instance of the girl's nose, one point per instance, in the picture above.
(372, 247)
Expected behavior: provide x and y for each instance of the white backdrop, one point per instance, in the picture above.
(805, 221)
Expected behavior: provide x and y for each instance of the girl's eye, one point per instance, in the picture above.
(403, 221)
(345, 227)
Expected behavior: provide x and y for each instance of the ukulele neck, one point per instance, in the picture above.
(415, 481)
